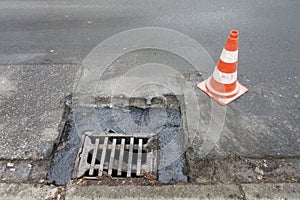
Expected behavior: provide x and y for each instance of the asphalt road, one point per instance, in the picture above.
(64, 32)
(269, 31)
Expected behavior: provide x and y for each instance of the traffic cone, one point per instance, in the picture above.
(223, 86)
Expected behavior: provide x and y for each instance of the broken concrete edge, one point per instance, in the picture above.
(66, 110)
(163, 100)
(72, 191)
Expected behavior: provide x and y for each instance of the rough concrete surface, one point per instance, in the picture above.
(272, 191)
(161, 192)
(16, 191)
(288, 191)
(23, 171)
(244, 170)
(32, 109)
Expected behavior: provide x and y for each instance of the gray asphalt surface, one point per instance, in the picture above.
(269, 30)
(264, 122)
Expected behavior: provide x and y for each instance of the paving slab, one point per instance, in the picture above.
(272, 191)
(32, 105)
(154, 192)
(18, 171)
(14, 191)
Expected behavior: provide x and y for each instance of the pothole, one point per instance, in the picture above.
(153, 140)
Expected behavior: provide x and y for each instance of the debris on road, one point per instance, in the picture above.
(9, 164)
(258, 171)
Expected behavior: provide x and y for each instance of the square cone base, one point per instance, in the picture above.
(223, 101)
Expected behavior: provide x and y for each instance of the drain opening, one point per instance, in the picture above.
(117, 156)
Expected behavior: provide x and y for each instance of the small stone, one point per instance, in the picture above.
(29, 165)
(296, 96)
(12, 169)
(42, 181)
(51, 51)
(280, 96)
(89, 22)
(258, 171)
(265, 163)
(201, 180)
(198, 73)
(9, 164)
(259, 177)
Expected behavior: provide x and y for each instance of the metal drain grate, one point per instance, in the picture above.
(117, 155)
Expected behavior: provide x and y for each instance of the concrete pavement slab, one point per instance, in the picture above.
(18, 171)
(16, 191)
(154, 192)
(32, 106)
(272, 191)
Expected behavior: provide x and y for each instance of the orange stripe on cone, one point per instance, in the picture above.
(223, 86)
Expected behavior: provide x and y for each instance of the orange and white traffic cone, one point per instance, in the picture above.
(223, 86)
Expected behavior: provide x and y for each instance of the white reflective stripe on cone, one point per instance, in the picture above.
(221, 94)
(224, 78)
(229, 56)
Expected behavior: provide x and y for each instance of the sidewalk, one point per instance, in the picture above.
(33, 100)
(73, 192)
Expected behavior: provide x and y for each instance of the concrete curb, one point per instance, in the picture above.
(15, 191)
(11, 191)
(156, 192)
(272, 191)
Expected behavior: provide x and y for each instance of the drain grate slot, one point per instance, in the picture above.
(130, 157)
(139, 159)
(94, 157)
(112, 156)
(116, 155)
(121, 157)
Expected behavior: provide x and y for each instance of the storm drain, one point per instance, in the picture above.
(116, 155)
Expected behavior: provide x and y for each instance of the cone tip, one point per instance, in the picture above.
(234, 34)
